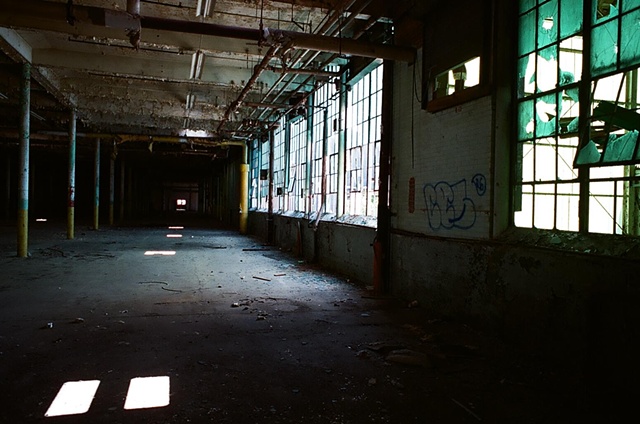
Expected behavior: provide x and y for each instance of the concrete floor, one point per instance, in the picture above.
(245, 336)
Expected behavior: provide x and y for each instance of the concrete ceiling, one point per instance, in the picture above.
(137, 74)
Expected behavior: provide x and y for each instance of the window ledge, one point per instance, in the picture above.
(455, 99)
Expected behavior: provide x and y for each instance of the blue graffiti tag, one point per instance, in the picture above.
(448, 205)
(480, 183)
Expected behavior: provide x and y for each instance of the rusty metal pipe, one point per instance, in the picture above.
(133, 7)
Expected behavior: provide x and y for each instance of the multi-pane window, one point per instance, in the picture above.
(279, 167)
(264, 175)
(254, 192)
(578, 122)
(321, 98)
(297, 178)
(306, 151)
(363, 145)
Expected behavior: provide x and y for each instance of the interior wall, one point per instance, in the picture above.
(345, 249)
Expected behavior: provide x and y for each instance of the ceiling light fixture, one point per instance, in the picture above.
(197, 62)
(204, 8)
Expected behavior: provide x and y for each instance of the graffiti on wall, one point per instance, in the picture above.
(449, 205)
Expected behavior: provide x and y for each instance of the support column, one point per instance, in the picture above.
(23, 189)
(244, 191)
(112, 186)
(270, 223)
(96, 187)
(121, 196)
(7, 193)
(71, 207)
(342, 144)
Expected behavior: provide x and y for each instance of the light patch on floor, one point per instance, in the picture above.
(74, 398)
(160, 253)
(176, 228)
(41, 219)
(147, 392)
(174, 235)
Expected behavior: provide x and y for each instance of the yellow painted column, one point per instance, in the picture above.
(244, 197)
(23, 191)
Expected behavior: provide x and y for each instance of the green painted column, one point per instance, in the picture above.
(71, 206)
(96, 186)
(23, 189)
(112, 187)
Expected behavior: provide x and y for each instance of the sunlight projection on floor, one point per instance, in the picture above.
(174, 235)
(74, 398)
(176, 228)
(147, 392)
(160, 253)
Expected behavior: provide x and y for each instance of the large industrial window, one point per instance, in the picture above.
(279, 167)
(296, 187)
(264, 174)
(306, 165)
(577, 150)
(254, 192)
(363, 145)
(320, 100)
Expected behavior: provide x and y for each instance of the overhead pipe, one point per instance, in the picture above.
(324, 29)
(273, 50)
(366, 27)
(301, 71)
(275, 37)
(71, 195)
(357, 35)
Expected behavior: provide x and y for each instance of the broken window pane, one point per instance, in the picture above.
(526, 70)
(604, 10)
(570, 60)
(546, 160)
(570, 17)
(604, 48)
(621, 148)
(544, 201)
(525, 120)
(566, 205)
(548, 24)
(630, 48)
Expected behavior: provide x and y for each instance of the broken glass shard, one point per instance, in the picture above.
(620, 149)
(588, 155)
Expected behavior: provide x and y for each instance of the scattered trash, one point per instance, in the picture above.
(120, 322)
(154, 282)
(124, 312)
(48, 326)
(413, 304)
(469, 411)
(296, 391)
(409, 357)
(372, 381)
(171, 290)
(77, 321)
(362, 354)
(365, 315)
(260, 278)
(124, 344)
(279, 275)
(235, 305)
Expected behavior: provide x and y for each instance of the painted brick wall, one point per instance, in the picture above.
(448, 155)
